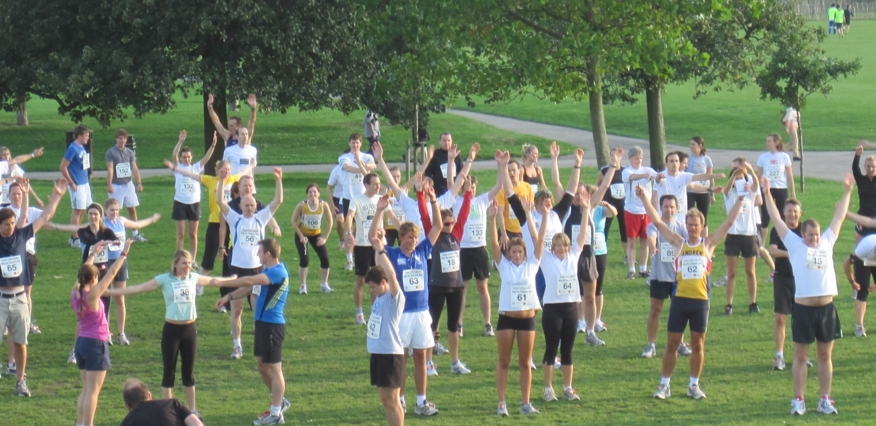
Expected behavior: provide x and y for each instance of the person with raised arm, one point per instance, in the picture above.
(361, 211)
(814, 317)
(234, 123)
(248, 228)
(121, 166)
(693, 263)
(92, 345)
(783, 281)
(187, 195)
(242, 156)
(742, 238)
(532, 172)
(269, 316)
(307, 223)
(410, 261)
(674, 181)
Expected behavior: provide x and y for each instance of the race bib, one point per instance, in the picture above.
(118, 246)
(226, 196)
(250, 237)
(816, 259)
(413, 280)
(187, 186)
(11, 266)
(477, 232)
(548, 242)
(449, 261)
(534, 187)
(444, 170)
(599, 242)
(101, 257)
(522, 296)
(618, 191)
(123, 170)
(374, 322)
(667, 253)
(566, 284)
(312, 221)
(356, 178)
(182, 292)
(693, 268)
(86, 161)
(773, 171)
(256, 290)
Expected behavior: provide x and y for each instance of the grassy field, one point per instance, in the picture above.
(326, 364)
(733, 120)
(292, 138)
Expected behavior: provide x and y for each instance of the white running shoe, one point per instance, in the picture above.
(582, 326)
(720, 283)
(779, 364)
(123, 340)
(557, 363)
(35, 329)
(426, 409)
(503, 410)
(663, 391)
(140, 239)
(439, 349)
(527, 409)
(532, 364)
(684, 349)
(360, 319)
(825, 405)
(302, 289)
(72, 358)
(348, 266)
(549, 395)
(600, 326)
(237, 352)
(459, 367)
(325, 288)
(459, 329)
(592, 340)
(859, 331)
(488, 330)
(695, 392)
(431, 369)
(571, 395)
(798, 407)
(650, 351)
(74, 242)
(270, 419)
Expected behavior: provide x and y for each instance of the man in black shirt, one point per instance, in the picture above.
(437, 169)
(144, 411)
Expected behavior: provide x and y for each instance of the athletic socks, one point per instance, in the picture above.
(664, 380)
(236, 343)
(421, 399)
(694, 381)
(350, 257)
(780, 354)
(275, 410)
(359, 311)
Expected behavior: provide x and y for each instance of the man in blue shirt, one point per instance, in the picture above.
(270, 323)
(74, 168)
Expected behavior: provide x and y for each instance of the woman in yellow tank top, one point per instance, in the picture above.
(307, 222)
(691, 302)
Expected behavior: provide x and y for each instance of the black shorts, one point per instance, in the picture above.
(516, 324)
(391, 236)
(744, 245)
(661, 289)
(32, 263)
(268, 342)
(345, 206)
(783, 294)
(587, 271)
(122, 275)
(684, 310)
(190, 212)
(700, 202)
(862, 231)
(809, 324)
(387, 370)
(862, 276)
(474, 262)
(338, 204)
(363, 259)
(92, 354)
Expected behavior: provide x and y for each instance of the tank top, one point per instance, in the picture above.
(533, 181)
(92, 324)
(692, 268)
(444, 268)
(311, 220)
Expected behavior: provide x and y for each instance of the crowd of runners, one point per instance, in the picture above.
(417, 245)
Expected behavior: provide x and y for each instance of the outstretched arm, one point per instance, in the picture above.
(864, 221)
(186, 173)
(94, 295)
(142, 223)
(150, 285)
(60, 187)
(667, 233)
(843, 206)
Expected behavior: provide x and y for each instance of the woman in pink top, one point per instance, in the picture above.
(92, 345)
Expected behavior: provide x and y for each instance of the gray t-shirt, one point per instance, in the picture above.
(699, 165)
(123, 164)
(663, 263)
(381, 331)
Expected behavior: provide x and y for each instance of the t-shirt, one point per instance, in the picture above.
(87, 240)
(677, 186)
(524, 192)
(337, 182)
(773, 166)
(211, 182)
(123, 161)
(32, 214)
(555, 226)
(382, 335)
(412, 274)
(700, 165)
(632, 204)
(866, 250)
(179, 296)
(831, 14)
(783, 264)
(354, 181)
(517, 291)
(14, 269)
(663, 262)
(617, 192)
(475, 232)
(80, 162)
(371, 121)
(240, 157)
(438, 170)
(363, 208)
(814, 273)
(92, 324)
(561, 276)
(188, 190)
(5, 173)
(246, 234)
(164, 412)
(272, 298)
(746, 222)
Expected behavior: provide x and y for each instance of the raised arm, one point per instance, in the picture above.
(58, 190)
(142, 223)
(856, 162)
(789, 175)
(584, 230)
(215, 118)
(94, 295)
(555, 169)
(459, 181)
(495, 247)
(377, 220)
(278, 190)
(542, 232)
(209, 153)
(220, 197)
(377, 152)
(452, 153)
(253, 107)
(667, 233)
(843, 206)
(615, 158)
(186, 173)
(382, 260)
(178, 146)
(437, 221)
(575, 176)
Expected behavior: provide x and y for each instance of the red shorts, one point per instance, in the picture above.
(636, 224)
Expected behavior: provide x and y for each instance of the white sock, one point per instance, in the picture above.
(136, 232)
(694, 381)
(567, 388)
(664, 380)
(633, 268)
(642, 268)
(780, 354)
(359, 311)
(236, 343)
(402, 399)
(275, 411)
(421, 399)
(350, 257)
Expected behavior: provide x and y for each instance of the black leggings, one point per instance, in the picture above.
(699, 201)
(621, 226)
(437, 296)
(179, 341)
(601, 264)
(211, 246)
(560, 324)
(780, 195)
(304, 255)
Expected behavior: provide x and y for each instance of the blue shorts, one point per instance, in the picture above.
(92, 354)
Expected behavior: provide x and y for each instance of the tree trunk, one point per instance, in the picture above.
(219, 106)
(21, 114)
(800, 139)
(656, 130)
(597, 116)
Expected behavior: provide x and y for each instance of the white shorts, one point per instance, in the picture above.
(415, 330)
(81, 197)
(126, 194)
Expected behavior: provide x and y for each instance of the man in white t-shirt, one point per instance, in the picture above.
(674, 181)
(247, 229)
(814, 317)
(635, 217)
(355, 165)
(362, 210)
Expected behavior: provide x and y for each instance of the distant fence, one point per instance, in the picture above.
(817, 9)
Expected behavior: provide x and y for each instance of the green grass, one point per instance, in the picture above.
(293, 138)
(326, 364)
(733, 120)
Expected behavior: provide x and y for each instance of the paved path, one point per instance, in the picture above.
(831, 165)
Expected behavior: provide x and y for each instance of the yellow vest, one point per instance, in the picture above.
(310, 222)
(692, 268)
